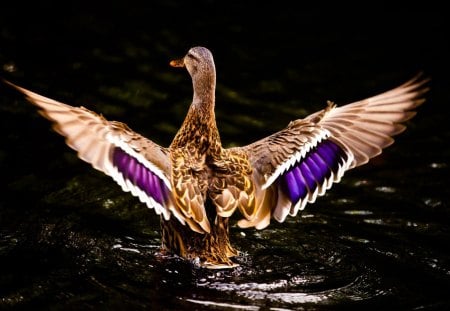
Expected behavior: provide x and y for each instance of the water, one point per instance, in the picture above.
(70, 239)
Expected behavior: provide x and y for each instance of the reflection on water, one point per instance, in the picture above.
(70, 239)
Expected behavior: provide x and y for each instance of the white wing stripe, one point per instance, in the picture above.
(124, 146)
(296, 157)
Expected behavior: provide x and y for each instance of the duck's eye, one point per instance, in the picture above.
(192, 56)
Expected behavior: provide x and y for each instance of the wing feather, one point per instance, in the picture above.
(271, 178)
(136, 163)
(302, 161)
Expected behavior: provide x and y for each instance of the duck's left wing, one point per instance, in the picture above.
(136, 163)
(302, 161)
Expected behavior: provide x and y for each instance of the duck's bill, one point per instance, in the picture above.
(177, 62)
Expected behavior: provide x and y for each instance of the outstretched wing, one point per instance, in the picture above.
(137, 164)
(302, 161)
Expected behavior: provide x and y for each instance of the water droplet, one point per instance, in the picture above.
(108, 203)
(307, 216)
(131, 250)
(432, 202)
(343, 201)
(362, 182)
(354, 239)
(438, 165)
(358, 212)
(385, 189)
(411, 224)
(375, 221)
(9, 67)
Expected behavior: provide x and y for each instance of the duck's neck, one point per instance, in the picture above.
(199, 128)
(203, 101)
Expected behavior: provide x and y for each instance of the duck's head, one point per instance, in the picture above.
(199, 63)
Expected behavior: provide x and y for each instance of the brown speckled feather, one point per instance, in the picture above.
(190, 185)
(231, 185)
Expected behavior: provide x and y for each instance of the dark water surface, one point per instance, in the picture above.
(70, 239)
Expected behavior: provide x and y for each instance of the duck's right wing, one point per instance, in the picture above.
(136, 163)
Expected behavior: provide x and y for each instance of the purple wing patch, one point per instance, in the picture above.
(308, 174)
(139, 175)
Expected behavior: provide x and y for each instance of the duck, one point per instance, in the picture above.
(196, 184)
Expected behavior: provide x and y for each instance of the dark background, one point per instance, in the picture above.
(60, 220)
(275, 52)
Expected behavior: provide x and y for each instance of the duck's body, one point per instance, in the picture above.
(201, 172)
(196, 185)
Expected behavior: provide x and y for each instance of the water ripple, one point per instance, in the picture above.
(299, 290)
